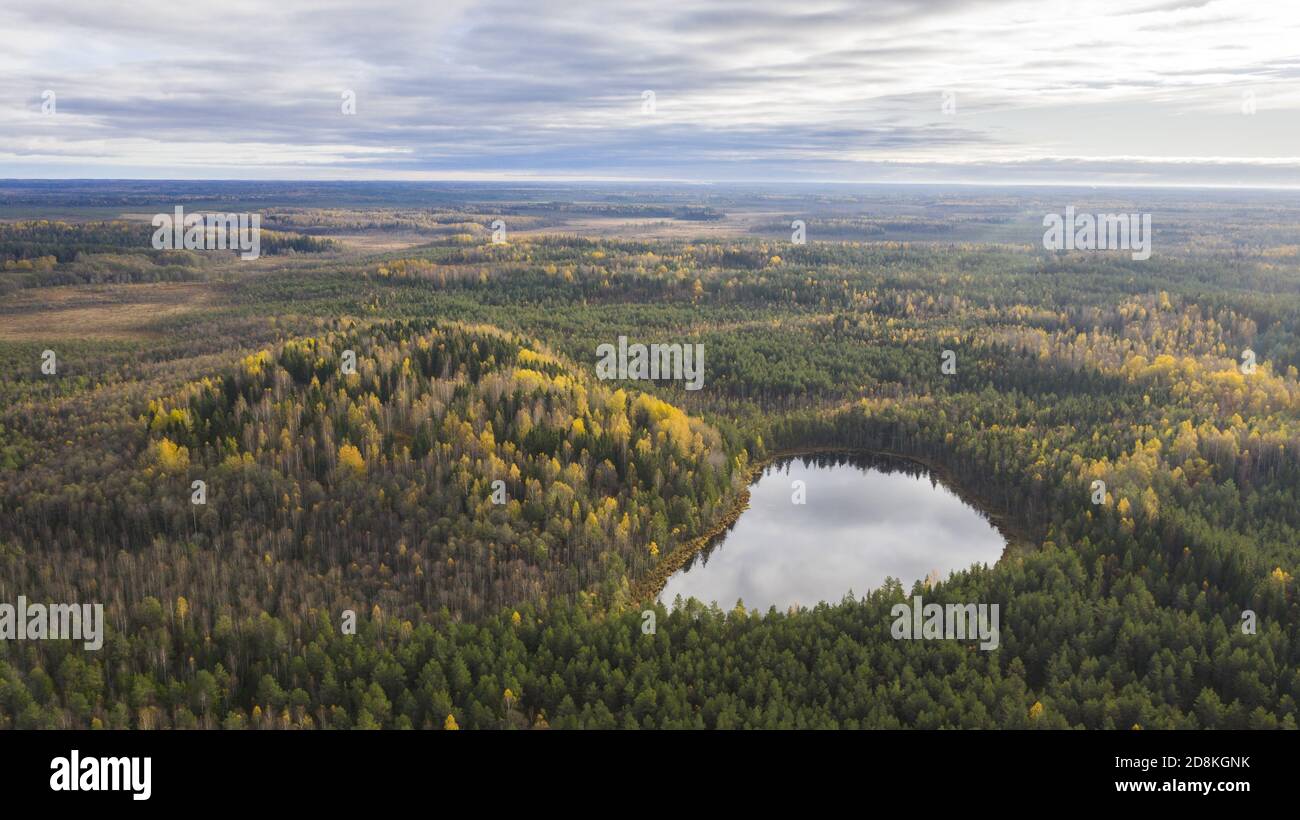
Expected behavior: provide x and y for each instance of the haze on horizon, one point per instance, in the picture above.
(991, 91)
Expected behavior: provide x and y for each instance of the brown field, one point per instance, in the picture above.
(97, 311)
(380, 242)
(732, 225)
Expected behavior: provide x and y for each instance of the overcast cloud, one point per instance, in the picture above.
(1059, 91)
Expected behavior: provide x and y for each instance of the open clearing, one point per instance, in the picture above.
(97, 311)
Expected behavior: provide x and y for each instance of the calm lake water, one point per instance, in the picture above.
(865, 518)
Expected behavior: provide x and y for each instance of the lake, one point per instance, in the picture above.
(865, 518)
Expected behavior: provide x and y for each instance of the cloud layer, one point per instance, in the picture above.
(936, 90)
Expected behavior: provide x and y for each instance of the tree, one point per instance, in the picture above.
(351, 460)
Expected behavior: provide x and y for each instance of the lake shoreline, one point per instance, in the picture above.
(647, 589)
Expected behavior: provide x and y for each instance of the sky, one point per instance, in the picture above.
(1143, 92)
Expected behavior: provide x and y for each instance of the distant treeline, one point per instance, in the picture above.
(47, 252)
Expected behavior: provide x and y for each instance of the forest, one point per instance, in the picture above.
(395, 415)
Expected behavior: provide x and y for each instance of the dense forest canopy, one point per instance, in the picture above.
(520, 604)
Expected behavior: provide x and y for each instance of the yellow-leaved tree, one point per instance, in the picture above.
(172, 457)
(351, 460)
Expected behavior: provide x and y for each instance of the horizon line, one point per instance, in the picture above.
(676, 182)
